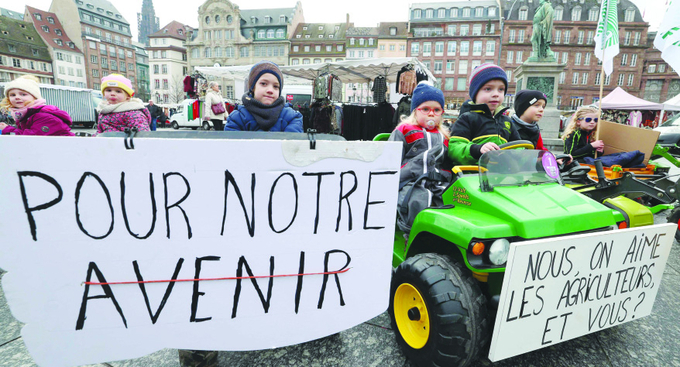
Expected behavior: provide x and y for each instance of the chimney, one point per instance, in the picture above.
(347, 21)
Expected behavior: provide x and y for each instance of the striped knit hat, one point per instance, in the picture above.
(264, 67)
(484, 73)
(118, 81)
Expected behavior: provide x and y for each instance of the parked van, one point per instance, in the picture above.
(184, 117)
(79, 103)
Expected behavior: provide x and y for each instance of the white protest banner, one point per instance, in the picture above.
(558, 289)
(607, 35)
(243, 244)
(667, 38)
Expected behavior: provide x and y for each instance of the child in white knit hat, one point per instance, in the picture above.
(119, 110)
(31, 113)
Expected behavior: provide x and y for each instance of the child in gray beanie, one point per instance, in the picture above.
(264, 109)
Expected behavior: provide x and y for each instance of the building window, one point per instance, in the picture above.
(438, 66)
(417, 14)
(577, 59)
(587, 60)
(593, 14)
(229, 52)
(607, 79)
(429, 13)
(584, 79)
(439, 48)
(427, 48)
(477, 30)
(624, 59)
(597, 78)
(631, 79)
(465, 48)
(511, 36)
(270, 33)
(565, 57)
(520, 57)
(207, 52)
(633, 59)
(477, 48)
(95, 73)
(448, 84)
(156, 69)
(393, 31)
(619, 82)
(651, 68)
(415, 46)
(479, 12)
(317, 48)
(280, 33)
(662, 68)
(340, 47)
(576, 14)
(244, 52)
(361, 41)
(580, 37)
(630, 15)
(574, 79)
(520, 36)
(450, 66)
(267, 19)
(590, 38)
(463, 67)
(50, 20)
(295, 62)
(559, 10)
(451, 49)
(462, 82)
(307, 48)
(441, 13)
(317, 61)
(558, 34)
(567, 36)
(523, 12)
(466, 12)
(636, 41)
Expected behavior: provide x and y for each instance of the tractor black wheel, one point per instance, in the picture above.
(674, 217)
(438, 312)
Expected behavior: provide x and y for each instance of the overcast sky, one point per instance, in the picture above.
(364, 13)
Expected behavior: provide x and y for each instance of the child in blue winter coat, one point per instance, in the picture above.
(264, 109)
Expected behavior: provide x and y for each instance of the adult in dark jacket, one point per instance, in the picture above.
(155, 112)
(263, 107)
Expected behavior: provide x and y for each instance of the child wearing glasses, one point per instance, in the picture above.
(424, 142)
(579, 135)
(483, 123)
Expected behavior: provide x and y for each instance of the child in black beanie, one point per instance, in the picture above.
(529, 107)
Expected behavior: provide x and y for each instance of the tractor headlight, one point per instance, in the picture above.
(498, 252)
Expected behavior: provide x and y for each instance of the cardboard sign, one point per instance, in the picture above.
(219, 244)
(562, 288)
(623, 138)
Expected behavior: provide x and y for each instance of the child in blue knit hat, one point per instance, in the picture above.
(483, 123)
(264, 109)
(424, 142)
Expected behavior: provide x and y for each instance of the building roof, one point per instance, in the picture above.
(101, 7)
(173, 29)
(24, 39)
(384, 29)
(48, 31)
(585, 5)
(12, 14)
(314, 30)
(362, 31)
(256, 17)
(455, 4)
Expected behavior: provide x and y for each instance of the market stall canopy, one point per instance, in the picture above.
(672, 104)
(358, 71)
(619, 99)
(349, 71)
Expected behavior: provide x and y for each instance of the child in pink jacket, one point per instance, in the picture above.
(119, 109)
(29, 110)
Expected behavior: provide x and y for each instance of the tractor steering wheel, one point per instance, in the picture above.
(517, 144)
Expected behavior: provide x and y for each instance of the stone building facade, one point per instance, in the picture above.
(452, 38)
(314, 43)
(68, 61)
(659, 81)
(573, 43)
(99, 30)
(168, 63)
(22, 51)
(392, 39)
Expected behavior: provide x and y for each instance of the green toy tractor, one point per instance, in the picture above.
(449, 271)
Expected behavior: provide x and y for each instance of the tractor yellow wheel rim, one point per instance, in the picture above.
(411, 316)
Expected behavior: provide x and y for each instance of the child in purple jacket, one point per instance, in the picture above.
(119, 109)
(29, 110)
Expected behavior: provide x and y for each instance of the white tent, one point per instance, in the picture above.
(619, 99)
(672, 104)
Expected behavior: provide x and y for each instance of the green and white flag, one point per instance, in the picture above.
(668, 36)
(607, 35)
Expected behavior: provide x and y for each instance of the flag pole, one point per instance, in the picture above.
(604, 51)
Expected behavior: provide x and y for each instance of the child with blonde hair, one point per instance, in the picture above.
(33, 116)
(119, 110)
(579, 135)
(425, 141)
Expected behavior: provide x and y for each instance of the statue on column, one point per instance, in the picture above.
(541, 38)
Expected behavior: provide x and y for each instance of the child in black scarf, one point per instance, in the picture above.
(264, 109)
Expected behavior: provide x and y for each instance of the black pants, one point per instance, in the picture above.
(217, 124)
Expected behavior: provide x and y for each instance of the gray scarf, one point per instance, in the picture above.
(265, 115)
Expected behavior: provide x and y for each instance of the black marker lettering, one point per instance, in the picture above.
(24, 197)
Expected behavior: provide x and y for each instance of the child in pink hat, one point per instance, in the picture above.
(119, 110)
